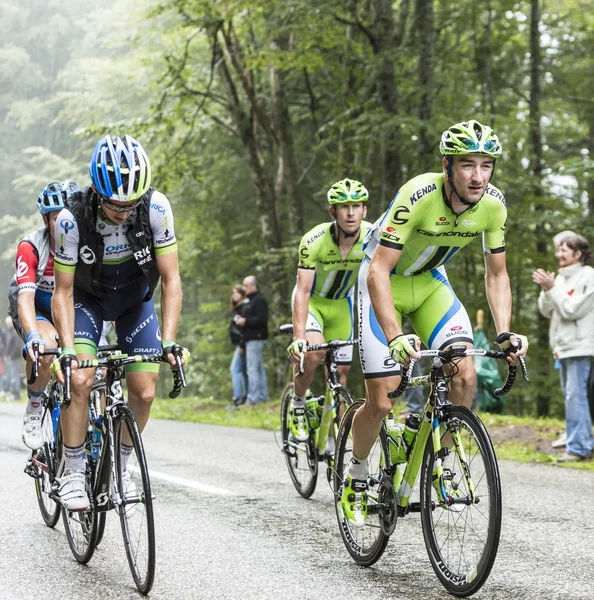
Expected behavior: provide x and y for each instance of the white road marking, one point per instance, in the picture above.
(196, 485)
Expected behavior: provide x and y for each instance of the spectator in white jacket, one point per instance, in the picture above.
(568, 300)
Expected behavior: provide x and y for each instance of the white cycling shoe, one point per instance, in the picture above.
(73, 491)
(31, 431)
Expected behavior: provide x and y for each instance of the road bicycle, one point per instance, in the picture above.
(322, 413)
(40, 465)
(460, 490)
(111, 484)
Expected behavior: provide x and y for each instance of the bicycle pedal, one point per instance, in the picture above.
(32, 470)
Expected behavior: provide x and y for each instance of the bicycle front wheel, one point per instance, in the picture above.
(462, 538)
(136, 508)
(302, 461)
(47, 467)
(365, 544)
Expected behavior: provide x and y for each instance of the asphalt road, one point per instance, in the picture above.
(229, 525)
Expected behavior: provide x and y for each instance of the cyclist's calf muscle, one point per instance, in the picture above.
(74, 420)
(368, 419)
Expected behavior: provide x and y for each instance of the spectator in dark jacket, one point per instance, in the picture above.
(254, 325)
(238, 367)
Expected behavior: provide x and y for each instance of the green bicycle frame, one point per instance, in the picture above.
(405, 478)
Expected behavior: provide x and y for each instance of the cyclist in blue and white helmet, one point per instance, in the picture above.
(53, 196)
(120, 169)
(116, 242)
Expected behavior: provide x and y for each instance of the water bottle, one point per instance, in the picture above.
(55, 415)
(96, 440)
(395, 432)
(411, 426)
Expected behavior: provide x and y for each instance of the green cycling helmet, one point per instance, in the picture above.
(470, 137)
(347, 190)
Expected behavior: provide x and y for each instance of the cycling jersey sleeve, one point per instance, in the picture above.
(67, 240)
(26, 267)
(494, 236)
(403, 213)
(308, 248)
(161, 219)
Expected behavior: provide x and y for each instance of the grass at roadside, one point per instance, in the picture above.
(521, 439)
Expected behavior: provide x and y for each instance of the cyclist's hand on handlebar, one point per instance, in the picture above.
(404, 346)
(170, 348)
(33, 338)
(509, 342)
(295, 348)
(57, 365)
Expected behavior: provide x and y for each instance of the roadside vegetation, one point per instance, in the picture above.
(521, 439)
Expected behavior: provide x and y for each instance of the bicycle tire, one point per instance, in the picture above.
(365, 544)
(464, 567)
(136, 515)
(81, 526)
(49, 508)
(301, 457)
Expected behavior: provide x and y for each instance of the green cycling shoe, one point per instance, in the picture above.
(354, 501)
(299, 427)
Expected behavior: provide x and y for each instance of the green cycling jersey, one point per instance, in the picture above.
(335, 276)
(421, 223)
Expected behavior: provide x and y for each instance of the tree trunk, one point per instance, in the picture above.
(426, 69)
(385, 85)
(542, 398)
(286, 180)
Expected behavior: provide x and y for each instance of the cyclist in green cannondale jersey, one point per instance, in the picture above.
(329, 259)
(403, 274)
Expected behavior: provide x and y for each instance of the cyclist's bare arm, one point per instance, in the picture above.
(499, 296)
(498, 290)
(305, 280)
(27, 314)
(171, 296)
(63, 307)
(380, 290)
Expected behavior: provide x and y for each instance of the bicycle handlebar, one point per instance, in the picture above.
(120, 360)
(36, 353)
(331, 345)
(461, 352)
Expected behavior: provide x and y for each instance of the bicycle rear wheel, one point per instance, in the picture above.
(136, 508)
(47, 465)
(301, 457)
(462, 539)
(365, 544)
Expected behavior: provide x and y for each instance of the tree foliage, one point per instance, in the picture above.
(250, 110)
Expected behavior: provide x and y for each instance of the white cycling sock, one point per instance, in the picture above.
(330, 445)
(358, 468)
(299, 402)
(125, 452)
(74, 458)
(34, 401)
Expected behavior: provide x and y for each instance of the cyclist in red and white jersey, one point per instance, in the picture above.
(30, 298)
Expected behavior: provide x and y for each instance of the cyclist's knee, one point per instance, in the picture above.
(82, 381)
(313, 359)
(377, 404)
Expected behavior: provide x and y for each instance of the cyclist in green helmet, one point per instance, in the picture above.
(329, 258)
(403, 274)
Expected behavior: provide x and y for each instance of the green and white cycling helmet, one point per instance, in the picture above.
(470, 137)
(347, 190)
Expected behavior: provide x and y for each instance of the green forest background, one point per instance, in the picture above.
(249, 111)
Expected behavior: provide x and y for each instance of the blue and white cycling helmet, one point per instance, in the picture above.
(120, 169)
(54, 194)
